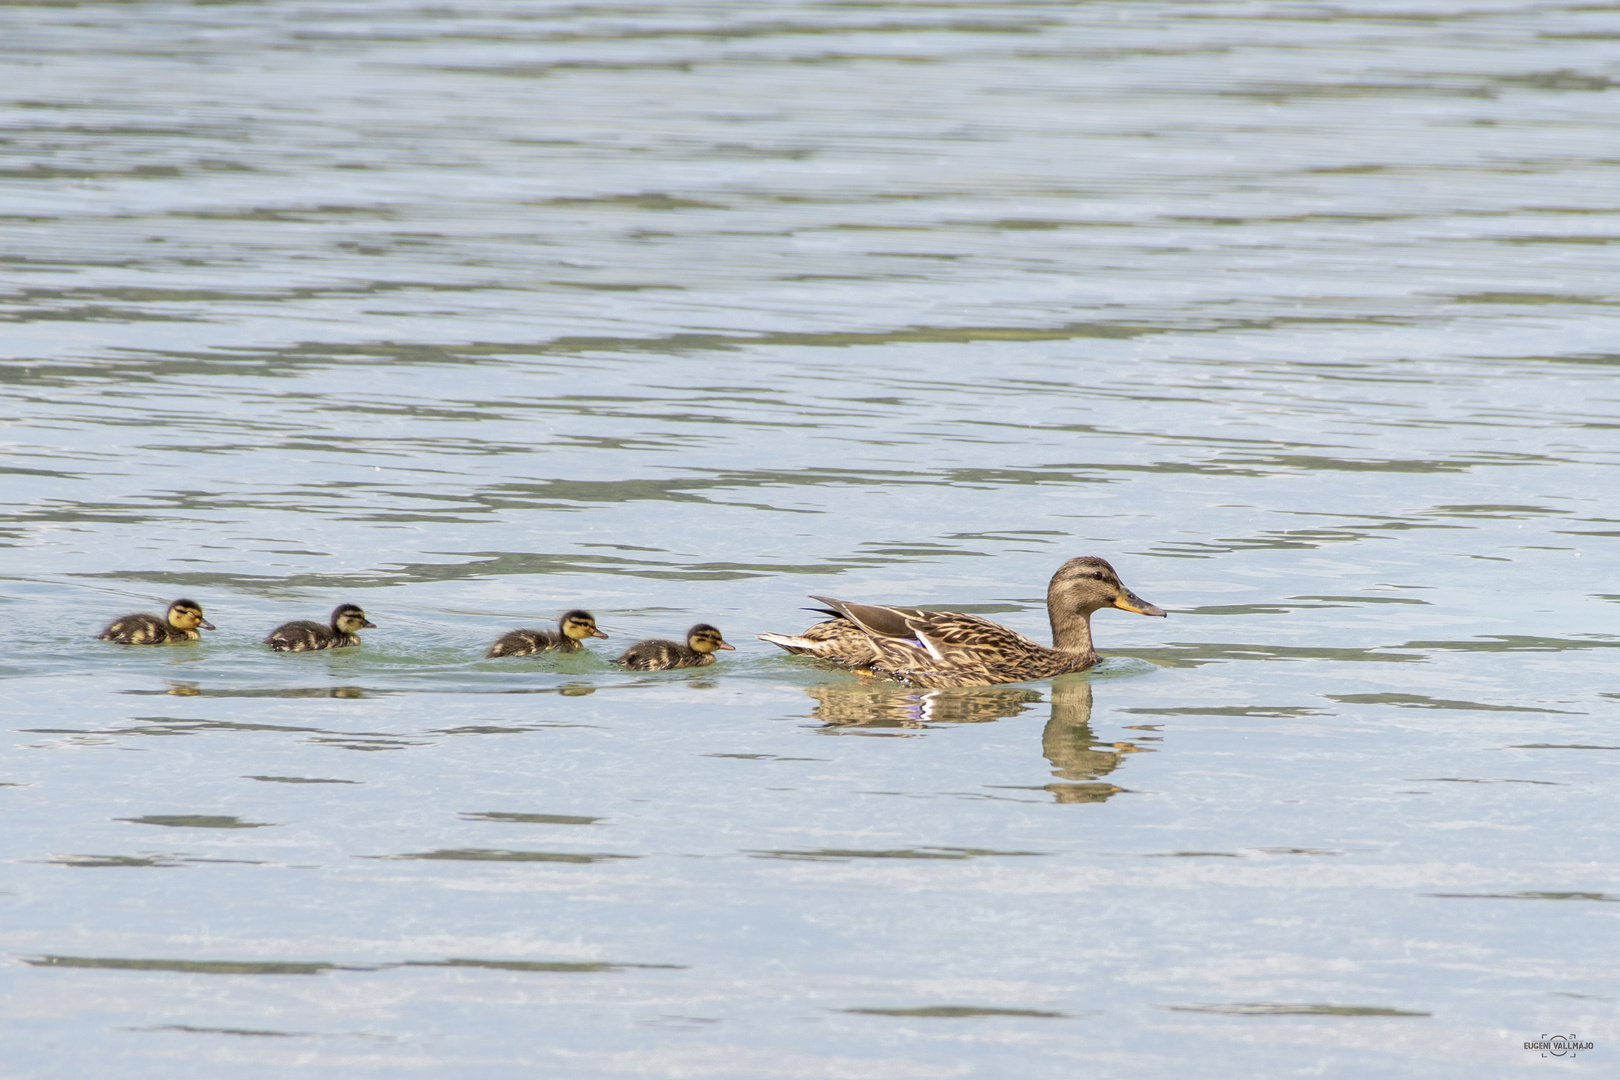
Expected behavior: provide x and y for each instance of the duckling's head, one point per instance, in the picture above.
(349, 619)
(706, 639)
(187, 615)
(1087, 583)
(579, 625)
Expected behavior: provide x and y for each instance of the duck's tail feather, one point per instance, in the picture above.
(792, 643)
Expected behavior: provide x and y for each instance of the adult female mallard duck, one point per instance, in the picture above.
(661, 655)
(179, 623)
(303, 636)
(944, 648)
(572, 629)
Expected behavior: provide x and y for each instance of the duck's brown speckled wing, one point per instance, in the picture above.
(947, 648)
(979, 669)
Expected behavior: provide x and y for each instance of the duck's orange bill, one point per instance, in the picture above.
(723, 645)
(1131, 602)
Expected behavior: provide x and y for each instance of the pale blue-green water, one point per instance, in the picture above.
(1303, 316)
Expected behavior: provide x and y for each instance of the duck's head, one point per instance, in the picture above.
(349, 619)
(706, 639)
(1087, 583)
(187, 615)
(579, 625)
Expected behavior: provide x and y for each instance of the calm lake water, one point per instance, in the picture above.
(1303, 316)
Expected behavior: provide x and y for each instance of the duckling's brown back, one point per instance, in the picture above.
(529, 642)
(306, 636)
(660, 655)
(143, 629)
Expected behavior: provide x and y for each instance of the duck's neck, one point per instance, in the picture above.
(1071, 632)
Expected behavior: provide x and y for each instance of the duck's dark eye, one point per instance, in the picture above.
(1097, 574)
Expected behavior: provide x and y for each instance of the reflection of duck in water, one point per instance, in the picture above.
(1070, 745)
(881, 705)
(572, 630)
(1067, 741)
(304, 636)
(944, 648)
(660, 655)
(179, 623)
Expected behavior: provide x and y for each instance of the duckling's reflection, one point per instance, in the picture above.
(188, 689)
(887, 705)
(1070, 745)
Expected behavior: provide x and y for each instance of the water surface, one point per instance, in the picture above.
(1302, 316)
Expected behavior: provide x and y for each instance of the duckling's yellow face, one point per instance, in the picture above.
(706, 639)
(580, 626)
(352, 620)
(184, 615)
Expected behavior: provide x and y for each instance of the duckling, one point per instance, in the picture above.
(945, 648)
(661, 655)
(303, 635)
(179, 623)
(572, 629)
